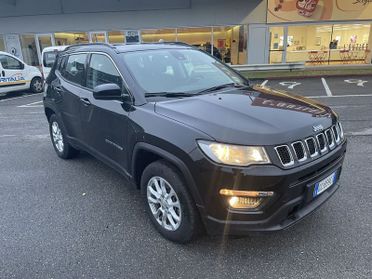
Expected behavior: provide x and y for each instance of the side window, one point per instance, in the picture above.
(9, 63)
(74, 68)
(101, 70)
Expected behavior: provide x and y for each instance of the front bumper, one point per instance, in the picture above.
(291, 202)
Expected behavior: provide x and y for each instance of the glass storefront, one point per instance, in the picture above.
(2, 44)
(116, 37)
(228, 43)
(29, 51)
(155, 35)
(63, 39)
(198, 37)
(321, 44)
(276, 47)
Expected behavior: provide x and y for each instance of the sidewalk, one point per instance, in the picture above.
(312, 71)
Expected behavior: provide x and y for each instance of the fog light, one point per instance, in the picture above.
(244, 202)
(245, 199)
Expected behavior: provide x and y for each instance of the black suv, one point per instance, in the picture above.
(206, 148)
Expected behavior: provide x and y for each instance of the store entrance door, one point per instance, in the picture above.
(43, 41)
(98, 37)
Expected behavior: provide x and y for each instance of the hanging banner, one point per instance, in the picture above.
(318, 10)
(13, 45)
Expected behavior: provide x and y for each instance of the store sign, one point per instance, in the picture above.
(132, 37)
(318, 10)
(13, 45)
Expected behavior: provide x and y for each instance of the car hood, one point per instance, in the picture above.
(258, 116)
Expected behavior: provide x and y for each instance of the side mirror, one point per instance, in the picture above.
(108, 91)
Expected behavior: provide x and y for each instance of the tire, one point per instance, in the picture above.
(36, 85)
(188, 226)
(60, 143)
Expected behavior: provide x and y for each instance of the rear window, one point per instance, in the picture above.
(49, 58)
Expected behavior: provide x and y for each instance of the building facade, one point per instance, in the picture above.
(238, 31)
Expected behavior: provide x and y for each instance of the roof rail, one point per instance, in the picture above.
(169, 42)
(88, 44)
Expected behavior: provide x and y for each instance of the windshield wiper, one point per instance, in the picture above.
(221, 86)
(170, 94)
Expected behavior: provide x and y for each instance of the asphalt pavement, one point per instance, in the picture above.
(81, 219)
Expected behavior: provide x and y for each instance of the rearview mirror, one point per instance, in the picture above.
(108, 91)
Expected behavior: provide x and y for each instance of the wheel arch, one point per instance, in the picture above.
(155, 153)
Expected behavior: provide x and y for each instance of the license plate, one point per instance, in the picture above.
(324, 184)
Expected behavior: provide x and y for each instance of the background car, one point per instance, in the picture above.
(49, 55)
(16, 75)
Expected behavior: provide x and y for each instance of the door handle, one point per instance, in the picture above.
(85, 101)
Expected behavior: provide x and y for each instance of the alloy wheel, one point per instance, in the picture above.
(164, 203)
(57, 137)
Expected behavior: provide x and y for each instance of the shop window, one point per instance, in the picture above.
(230, 44)
(63, 39)
(156, 35)
(276, 45)
(29, 51)
(351, 43)
(309, 43)
(198, 37)
(2, 44)
(98, 37)
(116, 37)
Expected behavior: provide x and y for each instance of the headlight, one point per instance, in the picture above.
(236, 155)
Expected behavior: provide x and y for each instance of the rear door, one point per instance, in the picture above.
(104, 122)
(69, 87)
(12, 74)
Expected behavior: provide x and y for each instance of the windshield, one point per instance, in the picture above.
(178, 70)
(49, 58)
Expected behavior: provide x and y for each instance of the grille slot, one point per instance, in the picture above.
(311, 146)
(341, 130)
(336, 134)
(299, 150)
(284, 155)
(322, 142)
(331, 142)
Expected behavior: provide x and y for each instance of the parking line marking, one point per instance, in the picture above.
(340, 96)
(264, 82)
(21, 97)
(31, 105)
(326, 87)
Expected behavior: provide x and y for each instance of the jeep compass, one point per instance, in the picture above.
(208, 150)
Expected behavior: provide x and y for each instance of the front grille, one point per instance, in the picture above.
(299, 150)
(321, 142)
(311, 146)
(336, 134)
(285, 155)
(330, 140)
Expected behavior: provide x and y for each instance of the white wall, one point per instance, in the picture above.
(200, 13)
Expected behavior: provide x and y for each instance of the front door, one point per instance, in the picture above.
(105, 122)
(12, 75)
